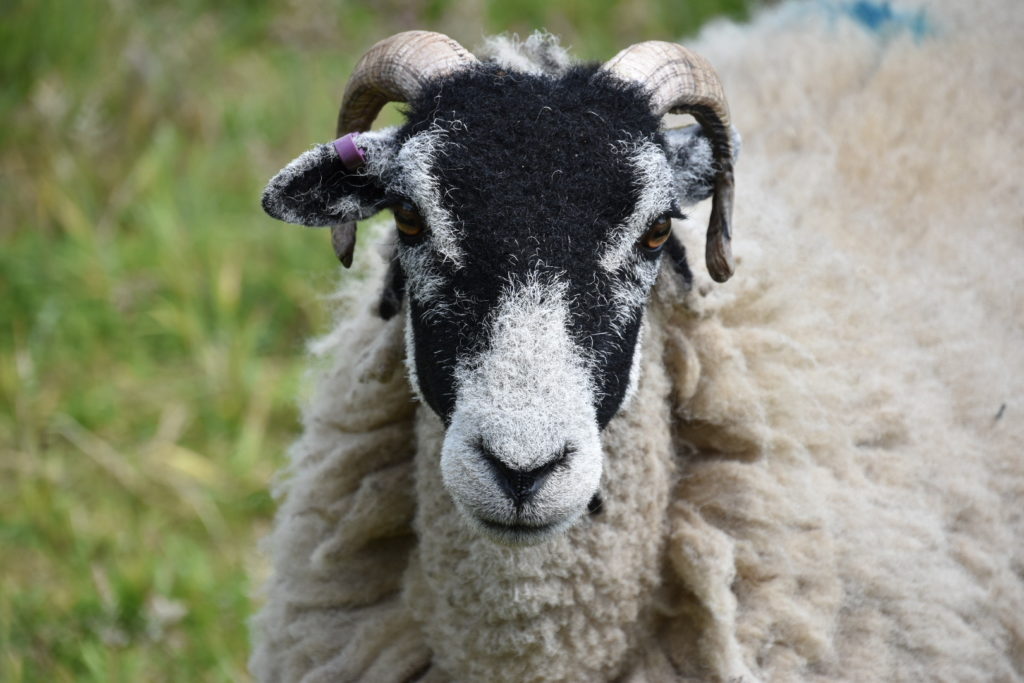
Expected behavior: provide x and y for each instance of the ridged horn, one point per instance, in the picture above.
(680, 81)
(393, 70)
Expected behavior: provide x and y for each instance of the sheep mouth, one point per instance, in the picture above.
(518, 528)
(518, 533)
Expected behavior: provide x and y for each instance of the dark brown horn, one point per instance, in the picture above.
(682, 82)
(393, 70)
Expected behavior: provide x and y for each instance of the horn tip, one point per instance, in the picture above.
(343, 239)
(720, 262)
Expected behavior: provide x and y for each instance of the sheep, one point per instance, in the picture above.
(813, 471)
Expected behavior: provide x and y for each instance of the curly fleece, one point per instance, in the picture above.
(820, 475)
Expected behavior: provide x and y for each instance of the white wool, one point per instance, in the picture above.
(538, 54)
(820, 475)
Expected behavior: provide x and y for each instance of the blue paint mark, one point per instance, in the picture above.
(872, 15)
(880, 18)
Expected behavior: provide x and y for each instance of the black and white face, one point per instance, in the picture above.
(531, 215)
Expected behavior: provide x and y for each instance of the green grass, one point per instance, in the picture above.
(152, 320)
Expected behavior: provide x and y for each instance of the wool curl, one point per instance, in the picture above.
(820, 475)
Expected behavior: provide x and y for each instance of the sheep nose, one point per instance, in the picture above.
(521, 484)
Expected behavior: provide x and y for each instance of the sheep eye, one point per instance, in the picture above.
(657, 233)
(407, 219)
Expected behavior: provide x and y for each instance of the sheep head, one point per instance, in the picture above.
(532, 213)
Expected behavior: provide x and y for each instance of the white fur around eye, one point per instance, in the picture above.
(633, 274)
(413, 177)
(657, 196)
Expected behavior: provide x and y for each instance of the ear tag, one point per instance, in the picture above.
(349, 152)
(343, 235)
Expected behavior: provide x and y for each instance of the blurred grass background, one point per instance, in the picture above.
(152, 319)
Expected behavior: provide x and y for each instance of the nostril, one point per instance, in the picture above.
(522, 484)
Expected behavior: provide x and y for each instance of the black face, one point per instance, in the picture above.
(533, 173)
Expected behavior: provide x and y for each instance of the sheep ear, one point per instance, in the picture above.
(693, 164)
(317, 190)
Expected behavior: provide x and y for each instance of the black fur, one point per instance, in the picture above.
(532, 173)
(676, 253)
(394, 289)
(309, 197)
(532, 170)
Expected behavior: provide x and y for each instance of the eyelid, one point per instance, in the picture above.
(393, 200)
(407, 208)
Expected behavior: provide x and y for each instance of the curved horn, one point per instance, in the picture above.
(683, 82)
(393, 70)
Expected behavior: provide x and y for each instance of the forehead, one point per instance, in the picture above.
(534, 160)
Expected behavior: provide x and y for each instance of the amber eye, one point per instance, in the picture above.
(407, 219)
(657, 234)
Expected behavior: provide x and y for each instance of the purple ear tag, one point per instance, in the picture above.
(343, 235)
(349, 152)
